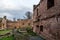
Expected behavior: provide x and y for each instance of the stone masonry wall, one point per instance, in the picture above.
(48, 18)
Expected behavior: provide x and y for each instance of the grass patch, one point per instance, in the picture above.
(2, 32)
(8, 38)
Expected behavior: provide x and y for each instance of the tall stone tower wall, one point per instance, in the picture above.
(46, 18)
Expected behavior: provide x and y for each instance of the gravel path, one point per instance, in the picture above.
(35, 38)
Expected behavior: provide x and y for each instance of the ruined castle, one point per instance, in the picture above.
(46, 19)
(8, 24)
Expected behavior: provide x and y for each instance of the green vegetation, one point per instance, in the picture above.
(23, 37)
(2, 32)
(27, 34)
(7, 38)
(30, 31)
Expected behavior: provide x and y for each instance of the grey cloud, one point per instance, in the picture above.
(16, 13)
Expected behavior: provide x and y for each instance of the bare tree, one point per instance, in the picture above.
(28, 15)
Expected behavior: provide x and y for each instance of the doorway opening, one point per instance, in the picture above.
(41, 28)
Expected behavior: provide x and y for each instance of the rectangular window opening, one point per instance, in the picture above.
(50, 3)
(41, 28)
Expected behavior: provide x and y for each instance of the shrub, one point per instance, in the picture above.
(30, 31)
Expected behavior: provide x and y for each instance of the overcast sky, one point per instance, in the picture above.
(16, 8)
